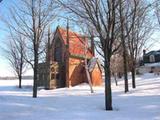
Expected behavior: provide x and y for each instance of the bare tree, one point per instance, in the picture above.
(140, 32)
(128, 15)
(124, 11)
(14, 51)
(31, 19)
(123, 40)
(157, 10)
(100, 16)
(117, 65)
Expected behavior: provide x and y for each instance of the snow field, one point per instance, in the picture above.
(77, 103)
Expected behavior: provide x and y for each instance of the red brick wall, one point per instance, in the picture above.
(77, 73)
(96, 76)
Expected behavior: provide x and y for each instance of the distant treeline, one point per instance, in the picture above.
(13, 78)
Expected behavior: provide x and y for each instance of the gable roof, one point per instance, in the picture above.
(153, 53)
(76, 43)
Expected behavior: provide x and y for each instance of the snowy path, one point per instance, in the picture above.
(77, 103)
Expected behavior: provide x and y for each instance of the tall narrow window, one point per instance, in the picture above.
(58, 51)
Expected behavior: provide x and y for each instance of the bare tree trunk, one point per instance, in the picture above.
(20, 75)
(88, 76)
(21, 64)
(86, 66)
(115, 79)
(35, 47)
(20, 81)
(108, 91)
(35, 74)
(133, 71)
(125, 70)
(124, 47)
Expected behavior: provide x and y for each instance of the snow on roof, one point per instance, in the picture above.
(152, 64)
(153, 53)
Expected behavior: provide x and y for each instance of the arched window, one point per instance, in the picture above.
(58, 51)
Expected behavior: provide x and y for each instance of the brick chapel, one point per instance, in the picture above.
(65, 61)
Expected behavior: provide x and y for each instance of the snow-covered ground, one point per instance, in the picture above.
(77, 103)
